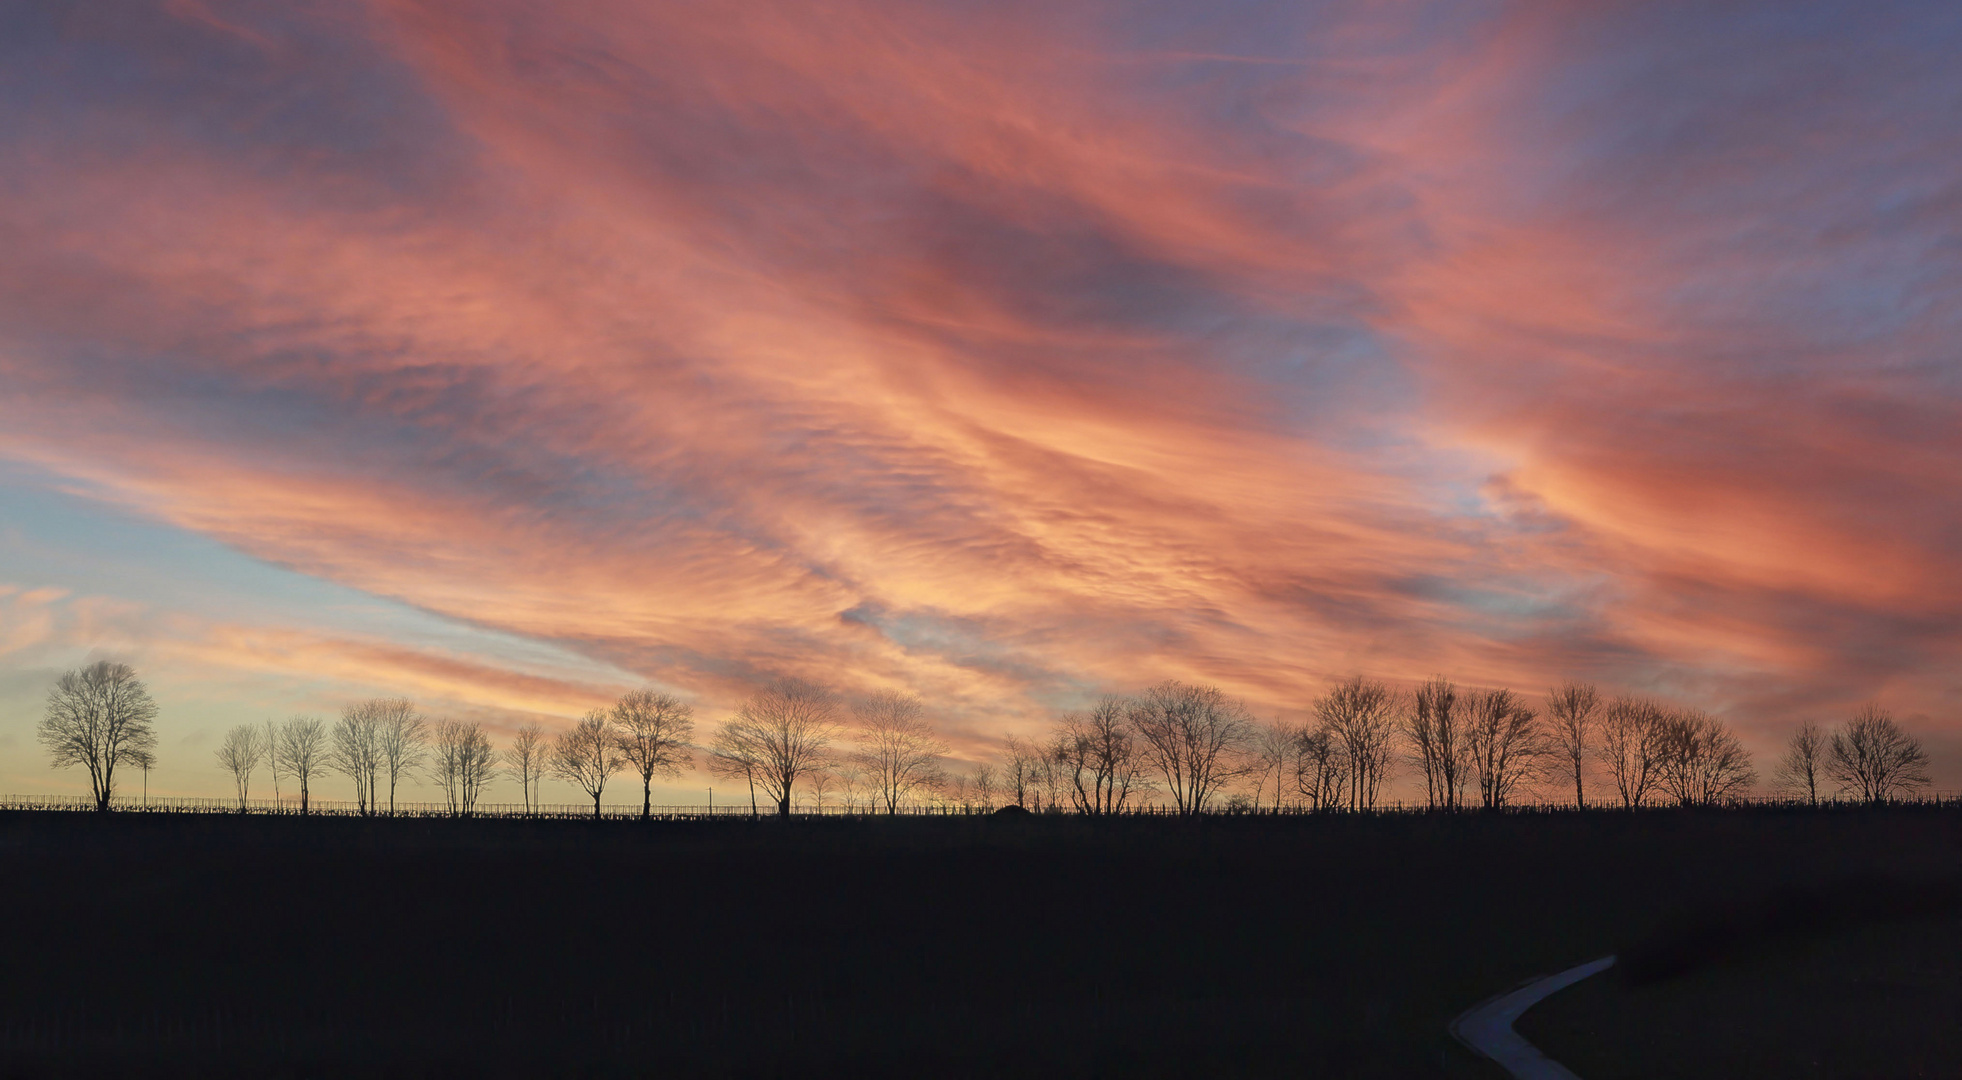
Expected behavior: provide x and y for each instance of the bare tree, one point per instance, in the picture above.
(240, 753)
(776, 737)
(1506, 745)
(1360, 715)
(403, 736)
(462, 763)
(654, 730)
(896, 747)
(99, 717)
(1572, 712)
(302, 749)
(1020, 762)
(1805, 759)
(1194, 736)
(1275, 746)
(1434, 724)
(735, 755)
(1049, 779)
(587, 754)
(817, 785)
(1631, 739)
(271, 743)
(1321, 769)
(527, 759)
(1700, 761)
(986, 786)
(145, 761)
(356, 751)
(1875, 759)
(949, 790)
(1094, 757)
(851, 781)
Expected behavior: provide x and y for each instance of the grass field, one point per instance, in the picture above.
(1327, 946)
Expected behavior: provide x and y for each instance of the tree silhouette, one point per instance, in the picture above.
(653, 730)
(1701, 763)
(1360, 716)
(1804, 761)
(1195, 736)
(896, 747)
(781, 733)
(461, 762)
(1506, 745)
(302, 750)
(240, 753)
(1094, 757)
(527, 759)
(99, 717)
(1875, 759)
(587, 754)
(1631, 742)
(1572, 713)
(1434, 725)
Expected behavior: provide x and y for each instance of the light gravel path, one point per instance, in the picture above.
(1487, 1027)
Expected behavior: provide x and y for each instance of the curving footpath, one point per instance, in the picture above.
(1487, 1028)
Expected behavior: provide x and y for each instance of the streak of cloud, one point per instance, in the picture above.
(1006, 355)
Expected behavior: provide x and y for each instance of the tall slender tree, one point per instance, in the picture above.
(241, 752)
(303, 751)
(403, 736)
(355, 751)
(270, 740)
(527, 759)
(1572, 712)
(1630, 747)
(1506, 744)
(896, 746)
(1360, 714)
(1434, 725)
(462, 763)
(1803, 765)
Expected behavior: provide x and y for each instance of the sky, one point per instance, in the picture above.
(508, 356)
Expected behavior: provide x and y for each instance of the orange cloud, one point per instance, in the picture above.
(1007, 358)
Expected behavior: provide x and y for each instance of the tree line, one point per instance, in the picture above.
(1191, 746)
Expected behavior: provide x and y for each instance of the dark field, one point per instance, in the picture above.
(1878, 997)
(1327, 946)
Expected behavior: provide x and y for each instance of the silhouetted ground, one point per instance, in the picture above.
(1863, 978)
(161, 944)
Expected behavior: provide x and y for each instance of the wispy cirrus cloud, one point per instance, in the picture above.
(1007, 355)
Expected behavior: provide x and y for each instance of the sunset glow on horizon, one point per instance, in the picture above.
(508, 356)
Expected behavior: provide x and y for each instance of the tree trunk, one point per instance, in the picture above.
(783, 805)
(596, 808)
(646, 798)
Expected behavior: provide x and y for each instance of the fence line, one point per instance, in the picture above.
(175, 804)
